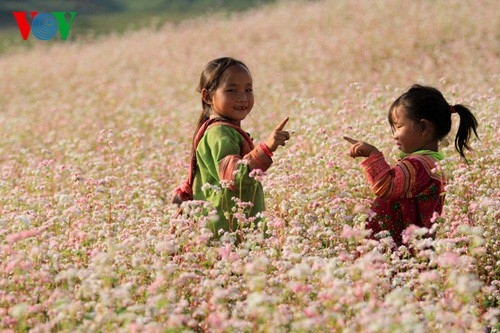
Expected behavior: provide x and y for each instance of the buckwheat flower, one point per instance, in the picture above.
(225, 250)
(356, 85)
(169, 247)
(347, 232)
(258, 265)
(19, 310)
(226, 183)
(434, 217)
(25, 220)
(215, 320)
(300, 271)
(13, 238)
(489, 202)
(359, 208)
(204, 236)
(176, 320)
(311, 311)
(467, 284)
(278, 223)
(101, 136)
(210, 187)
(243, 253)
(9, 321)
(344, 256)
(409, 233)
(101, 189)
(371, 214)
(433, 228)
(353, 233)
(492, 316)
(186, 277)
(429, 276)
(300, 288)
(258, 303)
(448, 259)
(153, 287)
(244, 204)
(258, 174)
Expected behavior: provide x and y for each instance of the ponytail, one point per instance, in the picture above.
(468, 125)
(204, 116)
(424, 102)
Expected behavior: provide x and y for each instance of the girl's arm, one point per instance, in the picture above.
(392, 183)
(235, 169)
(225, 147)
(387, 183)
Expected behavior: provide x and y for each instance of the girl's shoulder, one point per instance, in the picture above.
(221, 130)
(226, 128)
(426, 160)
(424, 163)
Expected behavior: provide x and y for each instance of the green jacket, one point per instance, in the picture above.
(223, 154)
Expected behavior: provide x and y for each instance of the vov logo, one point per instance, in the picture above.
(44, 25)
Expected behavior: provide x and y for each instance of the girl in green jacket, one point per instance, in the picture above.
(226, 164)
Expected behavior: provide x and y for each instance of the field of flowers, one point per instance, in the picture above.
(95, 135)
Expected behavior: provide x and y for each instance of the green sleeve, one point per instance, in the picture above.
(224, 141)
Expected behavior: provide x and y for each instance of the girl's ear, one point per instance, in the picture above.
(206, 96)
(426, 127)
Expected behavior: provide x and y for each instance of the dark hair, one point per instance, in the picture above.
(423, 102)
(209, 80)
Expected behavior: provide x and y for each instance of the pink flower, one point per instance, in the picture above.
(225, 251)
(434, 217)
(278, 223)
(448, 259)
(347, 232)
(431, 276)
(408, 233)
(310, 312)
(300, 288)
(258, 174)
(13, 238)
(359, 208)
(153, 287)
(215, 320)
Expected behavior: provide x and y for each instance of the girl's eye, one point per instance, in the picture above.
(249, 90)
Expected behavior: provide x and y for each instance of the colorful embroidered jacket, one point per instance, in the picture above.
(407, 194)
(224, 155)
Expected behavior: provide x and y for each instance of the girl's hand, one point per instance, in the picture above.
(360, 148)
(278, 137)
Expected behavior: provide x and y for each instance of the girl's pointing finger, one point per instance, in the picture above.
(350, 140)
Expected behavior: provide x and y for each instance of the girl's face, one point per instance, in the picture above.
(411, 136)
(233, 98)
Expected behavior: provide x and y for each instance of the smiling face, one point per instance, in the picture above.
(233, 99)
(411, 136)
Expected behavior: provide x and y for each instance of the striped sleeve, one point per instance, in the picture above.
(389, 183)
(257, 159)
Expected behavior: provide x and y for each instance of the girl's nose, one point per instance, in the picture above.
(242, 96)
